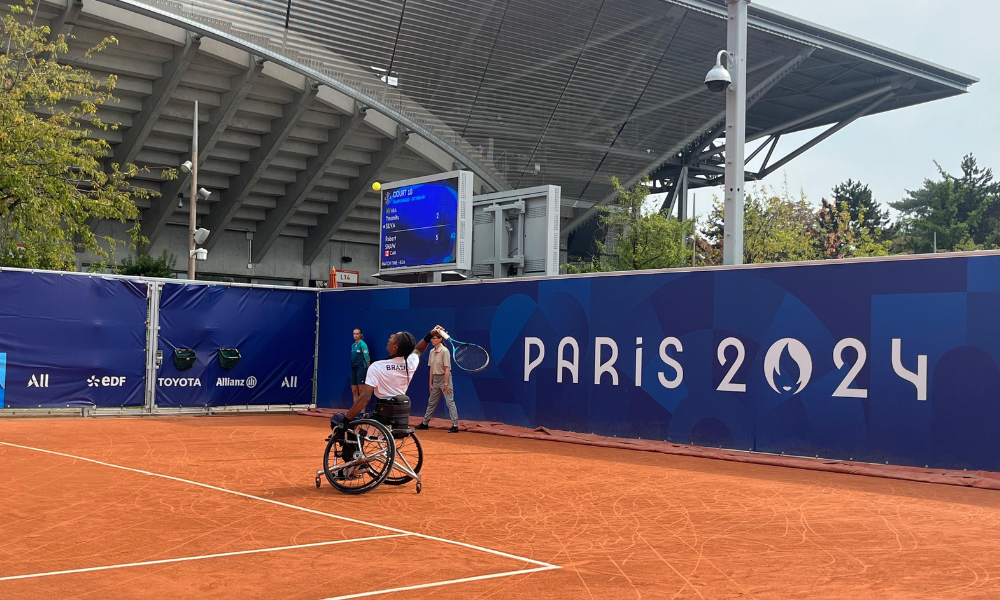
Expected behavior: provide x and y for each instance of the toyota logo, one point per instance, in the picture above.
(251, 381)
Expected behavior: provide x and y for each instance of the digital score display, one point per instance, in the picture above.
(420, 224)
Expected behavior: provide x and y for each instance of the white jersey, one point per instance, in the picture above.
(392, 376)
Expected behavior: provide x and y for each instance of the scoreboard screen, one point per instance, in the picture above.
(420, 224)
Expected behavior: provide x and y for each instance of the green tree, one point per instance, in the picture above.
(776, 228)
(962, 212)
(635, 237)
(53, 176)
(852, 214)
(147, 266)
(838, 236)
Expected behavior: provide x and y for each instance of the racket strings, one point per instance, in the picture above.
(471, 357)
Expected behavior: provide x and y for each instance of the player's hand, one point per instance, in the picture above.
(339, 420)
(439, 328)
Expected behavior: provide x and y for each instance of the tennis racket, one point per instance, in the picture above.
(468, 357)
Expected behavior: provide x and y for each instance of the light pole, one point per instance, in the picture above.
(195, 235)
(735, 86)
(193, 217)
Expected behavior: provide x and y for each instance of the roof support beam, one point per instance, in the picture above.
(155, 219)
(347, 200)
(154, 104)
(752, 97)
(785, 127)
(260, 159)
(64, 23)
(819, 138)
(305, 181)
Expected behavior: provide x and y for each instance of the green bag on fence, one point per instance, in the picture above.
(228, 357)
(184, 358)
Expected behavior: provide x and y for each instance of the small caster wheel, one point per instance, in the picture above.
(319, 481)
(419, 487)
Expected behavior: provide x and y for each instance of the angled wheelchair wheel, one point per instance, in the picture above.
(359, 459)
(409, 455)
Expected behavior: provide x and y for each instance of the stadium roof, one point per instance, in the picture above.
(307, 101)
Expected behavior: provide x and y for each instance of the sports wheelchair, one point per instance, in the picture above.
(373, 449)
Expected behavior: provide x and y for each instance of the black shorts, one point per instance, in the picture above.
(358, 375)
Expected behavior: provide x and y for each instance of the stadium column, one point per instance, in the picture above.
(155, 219)
(736, 112)
(260, 159)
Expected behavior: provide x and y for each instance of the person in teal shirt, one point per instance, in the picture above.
(359, 362)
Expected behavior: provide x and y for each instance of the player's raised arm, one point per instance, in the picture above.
(422, 344)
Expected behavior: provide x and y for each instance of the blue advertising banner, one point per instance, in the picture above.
(890, 360)
(274, 331)
(71, 340)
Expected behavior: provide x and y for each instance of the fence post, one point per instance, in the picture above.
(152, 342)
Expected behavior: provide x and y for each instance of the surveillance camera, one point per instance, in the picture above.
(186, 166)
(718, 79)
(200, 235)
(203, 194)
(199, 254)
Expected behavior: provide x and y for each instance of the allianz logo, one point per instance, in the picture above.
(227, 382)
(178, 381)
(290, 382)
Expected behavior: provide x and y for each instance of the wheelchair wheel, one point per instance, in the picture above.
(371, 452)
(409, 448)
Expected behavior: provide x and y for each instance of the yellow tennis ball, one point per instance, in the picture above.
(376, 186)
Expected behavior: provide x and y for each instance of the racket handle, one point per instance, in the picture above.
(444, 334)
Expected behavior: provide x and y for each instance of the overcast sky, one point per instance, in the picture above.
(895, 151)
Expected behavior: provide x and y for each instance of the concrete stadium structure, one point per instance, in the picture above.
(305, 103)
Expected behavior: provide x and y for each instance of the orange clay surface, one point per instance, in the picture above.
(618, 523)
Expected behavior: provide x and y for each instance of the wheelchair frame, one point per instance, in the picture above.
(340, 471)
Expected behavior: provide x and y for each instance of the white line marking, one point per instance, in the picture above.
(202, 557)
(292, 506)
(440, 583)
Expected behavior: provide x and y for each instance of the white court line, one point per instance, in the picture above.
(201, 557)
(439, 583)
(295, 507)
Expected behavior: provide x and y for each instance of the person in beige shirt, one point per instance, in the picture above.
(439, 360)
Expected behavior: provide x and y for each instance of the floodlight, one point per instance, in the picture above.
(200, 235)
(718, 79)
(186, 166)
(199, 254)
(203, 194)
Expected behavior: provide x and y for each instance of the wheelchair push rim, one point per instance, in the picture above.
(371, 451)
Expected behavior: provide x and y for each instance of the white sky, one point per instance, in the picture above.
(895, 151)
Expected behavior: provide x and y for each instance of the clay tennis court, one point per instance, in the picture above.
(225, 507)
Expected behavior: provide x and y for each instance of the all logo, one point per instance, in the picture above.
(249, 382)
(39, 381)
(290, 382)
(106, 381)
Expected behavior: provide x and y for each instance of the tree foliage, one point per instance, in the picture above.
(53, 174)
(852, 222)
(776, 228)
(637, 238)
(148, 266)
(963, 212)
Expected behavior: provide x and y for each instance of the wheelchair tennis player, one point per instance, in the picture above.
(391, 377)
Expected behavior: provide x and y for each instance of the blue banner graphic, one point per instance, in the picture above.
(883, 361)
(274, 331)
(71, 340)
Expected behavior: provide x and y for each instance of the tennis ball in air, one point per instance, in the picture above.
(376, 186)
